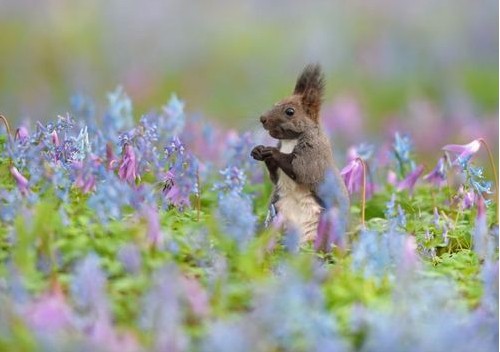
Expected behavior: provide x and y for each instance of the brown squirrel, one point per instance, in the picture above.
(302, 158)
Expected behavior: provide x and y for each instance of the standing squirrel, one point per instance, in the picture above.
(303, 157)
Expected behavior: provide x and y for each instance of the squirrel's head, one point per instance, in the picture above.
(292, 116)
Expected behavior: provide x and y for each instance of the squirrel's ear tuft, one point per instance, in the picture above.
(311, 85)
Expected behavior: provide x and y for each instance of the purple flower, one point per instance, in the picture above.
(468, 198)
(128, 165)
(464, 151)
(438, 175)
(101, 332)
(154, 233)
(22, 135)
(162, 311)
(111, 159)
(352, 174)
(85, 174)
(22, 182)
(174, 193)
(130, 257)
(49, 313)
(331, 231)
(181, 180)
(411, 179)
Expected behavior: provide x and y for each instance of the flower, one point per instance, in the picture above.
(234, 180)
(477, 181)
(89, 285)
(50, 313)
(22, 182)
(237, 219)
(395, 215)
(154, 233)
(484, 245)
(438, 175)
(401, 152)
(175, 121)
(55, 138)
(130, 257)
(119, 114)
(469, 199)
(331, 231)
(352, 174)
(464, 151)
(128, 165)
(411, 179)
(22, 134)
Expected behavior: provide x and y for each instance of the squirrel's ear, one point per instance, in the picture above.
(310, 85)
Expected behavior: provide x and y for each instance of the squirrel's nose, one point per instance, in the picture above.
(263, 119)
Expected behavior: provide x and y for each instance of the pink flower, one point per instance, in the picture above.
(465, 151)
(352, 174)
(409, 258)
(49, 313)
(85, 179)
(196, 296)
(411, 179)
(22, 182)
(128, 165)
(55, 138)
(392, 178)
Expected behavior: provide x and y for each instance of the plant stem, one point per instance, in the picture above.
(6, 123)
(492, 162)
(363, 192)
(198, 198)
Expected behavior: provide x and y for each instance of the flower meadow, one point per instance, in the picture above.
(122, 233)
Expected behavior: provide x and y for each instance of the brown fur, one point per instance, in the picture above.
(298, 173)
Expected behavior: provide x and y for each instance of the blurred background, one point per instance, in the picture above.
(427, 67)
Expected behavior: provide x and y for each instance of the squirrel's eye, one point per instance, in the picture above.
(290, 111)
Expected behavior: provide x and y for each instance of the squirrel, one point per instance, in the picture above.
(298, 165)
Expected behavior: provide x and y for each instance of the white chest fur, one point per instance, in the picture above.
(287, 145)
(296, 203)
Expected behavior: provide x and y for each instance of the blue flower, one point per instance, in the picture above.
(234, 181)
(236, 217)
(175, 120)
(119, 114)
(402, 149)
(89, 285)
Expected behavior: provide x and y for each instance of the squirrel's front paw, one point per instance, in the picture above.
(257, 152)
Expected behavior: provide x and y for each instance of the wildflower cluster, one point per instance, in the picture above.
(127, 233)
